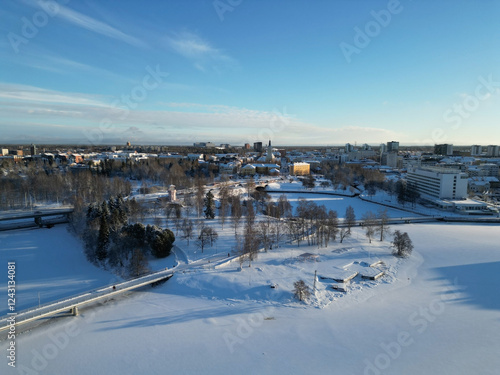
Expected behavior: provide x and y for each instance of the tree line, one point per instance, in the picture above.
(111, 242)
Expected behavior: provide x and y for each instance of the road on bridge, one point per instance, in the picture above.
(71, 304)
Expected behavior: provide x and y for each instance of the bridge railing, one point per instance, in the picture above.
(80, 298)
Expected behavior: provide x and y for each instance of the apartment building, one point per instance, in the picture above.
(445, 149)
(300, 169)
(438, 183)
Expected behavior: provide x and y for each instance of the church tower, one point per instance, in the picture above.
(269, 156)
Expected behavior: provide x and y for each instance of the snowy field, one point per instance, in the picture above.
(50, 262)
(434, 313)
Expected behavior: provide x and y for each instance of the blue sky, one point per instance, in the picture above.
(230, 71)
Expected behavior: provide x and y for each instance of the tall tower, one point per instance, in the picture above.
(269, 155)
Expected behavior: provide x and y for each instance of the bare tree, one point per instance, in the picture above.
(250, 242)
(321, 225)
(188, 203)
(224, 195)
(236, 211)
(350, 218)
(402, 244)
(278, 232)
(187, 229)
(382, 227)
(305, 215)
(301, 290)
(284, 206)
(178, 211)
(207, 237)
(169, 212)
(250, 185)
(250, 211)
(344, 232)
(369, 222)
(199, 195)
(294, 228)
(138, 265)
(332, 226)
(264, 232)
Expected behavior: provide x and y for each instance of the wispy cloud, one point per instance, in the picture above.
(42, 59)
(96, 26)
(25, 93)
(89, 23)
(219, 109)
(199, 51)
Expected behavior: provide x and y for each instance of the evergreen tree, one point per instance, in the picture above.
(102, 239)
(135, 235)
(401, 192)
(122, 209)
(160, 241)
(105, 210)
(209, 206)
(412, 195)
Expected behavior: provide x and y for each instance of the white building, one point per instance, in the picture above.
(493, 151)
(438, 183)
(476, 150)
(391, 159)
(483, 170)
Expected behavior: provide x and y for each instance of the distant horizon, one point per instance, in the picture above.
(217, 145)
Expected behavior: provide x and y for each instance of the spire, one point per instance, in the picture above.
(269, 142)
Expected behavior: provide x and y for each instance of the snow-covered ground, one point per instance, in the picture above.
(50, 262)
(434, 313)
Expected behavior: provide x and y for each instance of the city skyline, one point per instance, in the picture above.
(323, 74)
